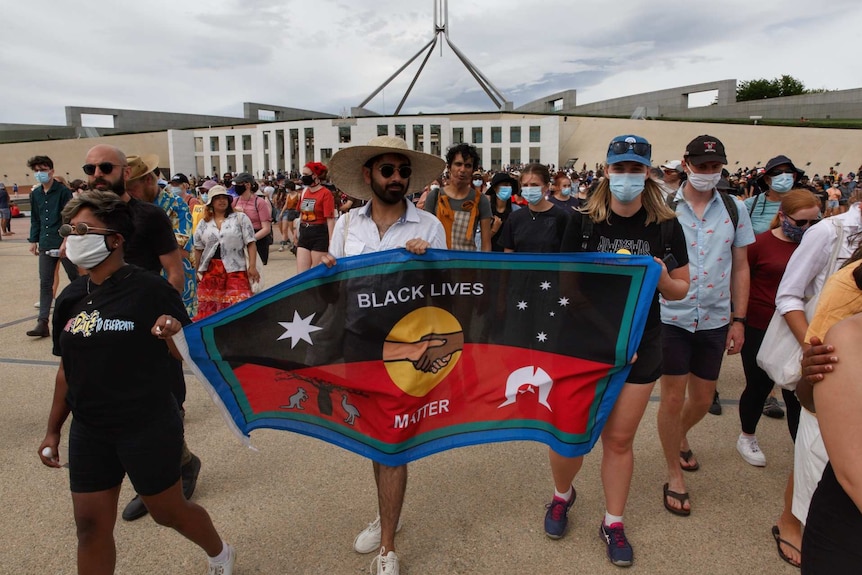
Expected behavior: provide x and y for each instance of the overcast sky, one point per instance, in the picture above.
(210, 56)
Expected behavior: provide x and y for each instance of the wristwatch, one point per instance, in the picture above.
(743, 320)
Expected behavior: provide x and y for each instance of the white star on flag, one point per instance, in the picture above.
(553, 314)
(298, 329)
(522, 305)
(564, 301)
(545, 286)
(542, 336)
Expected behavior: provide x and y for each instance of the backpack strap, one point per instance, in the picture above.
(732, 210)
(586, 230)
(754, 203)
(667, 235)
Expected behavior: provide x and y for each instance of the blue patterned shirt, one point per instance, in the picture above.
(709, 239)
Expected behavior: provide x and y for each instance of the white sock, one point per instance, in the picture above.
(611, 519)
(223, 556)
(564, 496)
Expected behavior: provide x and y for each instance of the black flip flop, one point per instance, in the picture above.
(686, 456)
(681, 497)
(776, 534)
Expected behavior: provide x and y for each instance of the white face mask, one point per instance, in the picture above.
(87, 251)
(703, 182)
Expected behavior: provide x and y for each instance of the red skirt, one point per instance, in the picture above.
(219, 289)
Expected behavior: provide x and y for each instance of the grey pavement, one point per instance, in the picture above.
(295, 505)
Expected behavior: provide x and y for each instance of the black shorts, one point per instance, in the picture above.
(314, 237)
(647, 368)
(99, 459)
(699, 353)
(292, 215)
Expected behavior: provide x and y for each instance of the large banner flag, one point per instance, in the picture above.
(395, 356)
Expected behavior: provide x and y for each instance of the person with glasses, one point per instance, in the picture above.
(627, 213)
(383, 172)
(112, 331)
(316, 217)
(47, 200)
(767, 259)
(458, 205)
(672, 177)
(698, 329)
(779, 177)
(154, 248)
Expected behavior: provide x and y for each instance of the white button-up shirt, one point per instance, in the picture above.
(356, 233)
(710, 241)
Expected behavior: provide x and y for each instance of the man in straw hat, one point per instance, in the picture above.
(384, 172)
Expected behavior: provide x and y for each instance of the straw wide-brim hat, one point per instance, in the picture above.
(142, 165)
(215, 192)
(345, 168)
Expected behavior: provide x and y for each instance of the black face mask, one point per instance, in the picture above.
(307, 180)
(239, 188)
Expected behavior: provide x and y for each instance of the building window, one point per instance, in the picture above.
(457, 135)
(514, 157)
(515, 134)
(325, 155)
(230, 143)
(213, 143)
(477, 135)
(496, 135)
(199, 147)
(401, 131)
(535, 155)
(535, 134)
(344, 134)
(496, 159)
(435, 139)
(246, 142)
(557, 105)
(418, 137)
(382, 130)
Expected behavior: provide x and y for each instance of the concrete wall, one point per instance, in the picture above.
(545, 105)
(669, 103)
(251, 111)
(147, 121)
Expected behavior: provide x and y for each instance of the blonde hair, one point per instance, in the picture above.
(599, 203)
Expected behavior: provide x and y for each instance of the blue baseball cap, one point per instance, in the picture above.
(629, 148)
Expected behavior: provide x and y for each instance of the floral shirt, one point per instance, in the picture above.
(233, 237)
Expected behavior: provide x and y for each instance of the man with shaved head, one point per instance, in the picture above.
(153, 247)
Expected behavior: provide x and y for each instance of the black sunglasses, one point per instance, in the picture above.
(81, 229)
(387, 170)
(773, 173)
(802, 223)
(638, 148)
(105, 167)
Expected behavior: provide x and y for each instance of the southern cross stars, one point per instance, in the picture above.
(522, 305)
(298, 329)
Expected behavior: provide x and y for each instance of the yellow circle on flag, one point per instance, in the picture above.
(624, 251)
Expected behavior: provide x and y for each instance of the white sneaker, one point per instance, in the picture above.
(368, 539)
(387, 563)
(37, 305)
(750, 450)
(225, 568)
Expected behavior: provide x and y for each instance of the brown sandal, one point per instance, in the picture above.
(686, 456)
(681, 497)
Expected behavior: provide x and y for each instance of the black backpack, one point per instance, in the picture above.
(729, 205)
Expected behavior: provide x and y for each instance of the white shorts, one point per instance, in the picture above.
(809, 461)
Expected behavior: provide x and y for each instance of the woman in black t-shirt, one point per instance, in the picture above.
(539, 227)
(500, 192)
(113, 330)
(625, 214)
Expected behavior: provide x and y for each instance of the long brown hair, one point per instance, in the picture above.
(793, 201)
(599, 203)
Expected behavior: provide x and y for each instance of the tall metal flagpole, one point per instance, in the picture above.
(441, 26)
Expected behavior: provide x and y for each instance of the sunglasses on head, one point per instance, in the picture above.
(104, 167)
(802, 223)
(81, 229)
(639, 148)
(387, 170)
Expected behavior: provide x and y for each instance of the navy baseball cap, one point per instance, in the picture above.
(629, 148)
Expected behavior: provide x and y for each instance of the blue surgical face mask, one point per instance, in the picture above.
(175, 190)
(478, 183)
(626, 187)
(781, 183)
(504, 192)
(566, 192)
(533, 194)
(43, 177)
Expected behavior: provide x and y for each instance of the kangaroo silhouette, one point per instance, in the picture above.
(349, 409)
(296, 399)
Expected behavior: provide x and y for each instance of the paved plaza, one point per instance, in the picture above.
(295, 505)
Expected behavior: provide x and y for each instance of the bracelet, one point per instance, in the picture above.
(743, 320)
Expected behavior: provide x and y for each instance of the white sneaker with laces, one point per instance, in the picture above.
(750, 451)
(225, 568)
(387, 563)
(368, 539)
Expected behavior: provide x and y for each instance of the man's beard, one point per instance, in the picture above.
(118, 187)
(392, 194)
